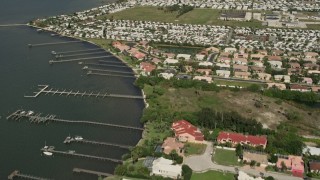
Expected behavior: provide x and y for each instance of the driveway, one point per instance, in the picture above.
(202, 163)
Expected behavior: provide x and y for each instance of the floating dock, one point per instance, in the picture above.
(54, 43)
(73, 153)
(38, 118)
(100, 174)
(45, 89)
(17, 174)
(78, 59)
(69, 140)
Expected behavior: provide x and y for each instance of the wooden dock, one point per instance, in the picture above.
(17, 174)
(38, 118)
(45, 89)
(73, 153)
(78, 59)
(100, 174)
(110, 61)
(105, 65)
(54, 43)
(86, 141)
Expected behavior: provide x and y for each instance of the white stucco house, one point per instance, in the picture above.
(163, 167)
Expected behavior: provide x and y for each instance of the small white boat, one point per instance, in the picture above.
(30, 113)
(78, 138)
(47, 153)
(22, 112)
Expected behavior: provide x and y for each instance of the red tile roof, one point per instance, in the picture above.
(237, 138)
(147, 67)
(183, 126)
(314, 166)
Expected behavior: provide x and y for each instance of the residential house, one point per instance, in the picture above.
(277, 52)
(165, 168)
(279, 86)
(207, 79)
(241, 55)
(307, 80)
(283, 78)
(257, 157)
(240, 61)
(237, 138)
(311, 66)
(240, 68)
(205, 63)
(311, 54)
(204, 71)
(225, 60)
(301, 88)
(186, 132)
(315, 89)
(295, 65)
(169, 55)
(258, 57)
(314, 166)
(156, 61)
(264, 76)
(166, 75)
(171, 144)
(225, 54)
(213, 49)
(147, 67)
(242, 75)
(256, 63)
(230, 50)
(120, 46)
(263, 52)
(139, 55)
(170, 61)
(185, 57)
(275, 61)
(223, 73)
(314, 151)
(294, 164)
(200, 57)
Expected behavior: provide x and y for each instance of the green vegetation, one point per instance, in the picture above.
(225, 157)
(209, 175)
(313, 26)
(186, 172)
(233, 83)
(306, 97)
(196, 16)
(194, 149)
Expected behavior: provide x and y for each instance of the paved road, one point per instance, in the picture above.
(203, 162)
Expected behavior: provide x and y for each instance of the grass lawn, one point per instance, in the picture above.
(313, 26)
(196, 16)
(156, 131)
(194, 149)
(212, 175)
(225, 157)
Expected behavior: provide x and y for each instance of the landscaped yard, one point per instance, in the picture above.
(225, 157)
(196, 16)
(194, 149)
(212, 175)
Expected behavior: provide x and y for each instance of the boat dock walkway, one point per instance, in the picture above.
(53, 43)
(17, 174)
(105, 65)
(79, 170)
(78, 59)
(69, 140)
(45, 89)
(73, 153)
(37, 118)
(12, 25)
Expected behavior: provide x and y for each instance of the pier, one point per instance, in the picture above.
(45, 89)
(12, 25)
(112, 61)
(17, 174)
(104, 70)
(53, 43)
(38, 118)
(81, 54)
(77, 59)
(79, 170)
(112, 75)
(73, 153)
(69, 140)
(67, 52)
(105, 65)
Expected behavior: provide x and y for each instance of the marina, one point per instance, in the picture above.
(45, 89)
(18, 174)
(37, 118)
(67, 52)
(73, 153)
(69, 140)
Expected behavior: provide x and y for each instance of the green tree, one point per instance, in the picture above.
(186, 172)
(120, 170)
(239, 150)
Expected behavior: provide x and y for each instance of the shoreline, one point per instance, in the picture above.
(146, 104)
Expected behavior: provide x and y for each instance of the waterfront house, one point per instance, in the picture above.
(186, 132)
(171, 144)
(165, 168)
(146, 68)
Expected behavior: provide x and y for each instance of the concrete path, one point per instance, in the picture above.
(202, 163)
